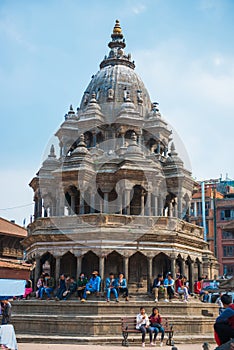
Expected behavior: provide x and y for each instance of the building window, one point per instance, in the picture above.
(227, 214)
(228, 251)
(228, 269)
(227, 235)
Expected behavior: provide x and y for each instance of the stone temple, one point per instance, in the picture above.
(117, 196)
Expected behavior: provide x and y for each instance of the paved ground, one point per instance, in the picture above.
(31, 346)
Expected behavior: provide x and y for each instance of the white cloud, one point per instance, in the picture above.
(138, 8)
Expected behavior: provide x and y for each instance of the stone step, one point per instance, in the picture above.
(113, 340)
(103, 308)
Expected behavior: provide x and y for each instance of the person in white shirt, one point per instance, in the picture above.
(143, 324)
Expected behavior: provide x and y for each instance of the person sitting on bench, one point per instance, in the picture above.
(143, 324)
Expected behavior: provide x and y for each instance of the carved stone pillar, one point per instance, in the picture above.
(78, 266)
(170, 213)
(175, 210)
(156, 205)
(173, 266)
(182, 267)
(101, 266)
(199, 269)
(191, 276)
(81, 211)
(61, 202)
(106, 202)
(92, 202)
(72, 203)
(57, 268)
(180, 205)
(149, 275)
(126, 262)
(148, 205)
(160, 206)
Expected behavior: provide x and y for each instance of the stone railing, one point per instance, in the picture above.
(116, 220)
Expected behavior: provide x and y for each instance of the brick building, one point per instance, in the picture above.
(219, 219)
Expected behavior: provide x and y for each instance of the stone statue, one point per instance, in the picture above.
(110, 95)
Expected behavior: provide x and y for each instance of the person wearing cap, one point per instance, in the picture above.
(93, 285)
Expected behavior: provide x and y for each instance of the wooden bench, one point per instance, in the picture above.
(128, 325)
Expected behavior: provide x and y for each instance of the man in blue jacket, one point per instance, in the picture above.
(111, 287)
(93, 285)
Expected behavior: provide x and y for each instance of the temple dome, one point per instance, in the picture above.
(115, 80)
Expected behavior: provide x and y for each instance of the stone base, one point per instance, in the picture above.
(100, 322)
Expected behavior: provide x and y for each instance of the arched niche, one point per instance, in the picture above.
(161, 264)
(138, 269)
(113, 263)
(90, 262)
(68, 264)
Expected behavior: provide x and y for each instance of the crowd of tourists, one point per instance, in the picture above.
(168, 287)
(68, 286)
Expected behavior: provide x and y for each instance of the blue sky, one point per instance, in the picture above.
(183, 51)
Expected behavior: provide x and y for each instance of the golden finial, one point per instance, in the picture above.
(117, 29)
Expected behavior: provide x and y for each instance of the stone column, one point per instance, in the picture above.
(182, 267)
(37, 270)
(57, 268)
(106, 202)
(61, 202)
(199, 269)
(191, 277)
(120, 202)
(127, 200)
(78, 266)
(126, 261)
(160, 205)
(81, 211)
(180, 205)
(155, 205)
(148, 205)
(173, 266)
(170, 209)
(101, 266)
(149, 274)
(39, 207)
(175, 211)
(92, 202)
(94, 139)
(72, 203)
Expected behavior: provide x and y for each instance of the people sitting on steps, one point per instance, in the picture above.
(48, 287)
(122, 286)
(169, 285)
(181, 289)
(81, 284)
(158, 287)
(111, 287)
(71, 289)
(93, 285)
(61, 287)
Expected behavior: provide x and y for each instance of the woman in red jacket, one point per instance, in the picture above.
(156, 324)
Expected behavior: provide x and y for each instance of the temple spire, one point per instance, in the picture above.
(117, 45)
